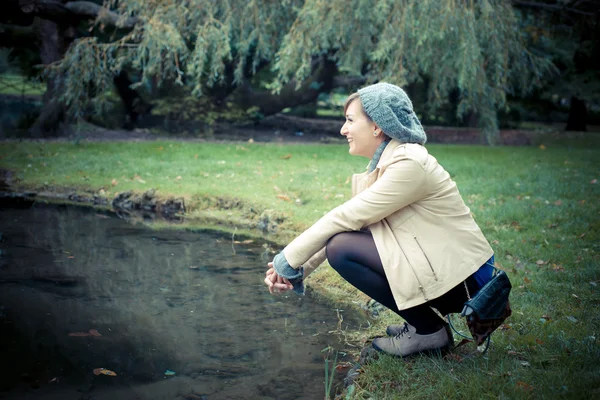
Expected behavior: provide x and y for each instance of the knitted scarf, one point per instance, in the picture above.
(377, 156)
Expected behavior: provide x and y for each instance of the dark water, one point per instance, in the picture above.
(65, 270)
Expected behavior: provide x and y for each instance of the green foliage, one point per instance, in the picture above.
(85, 76)
(475, 46)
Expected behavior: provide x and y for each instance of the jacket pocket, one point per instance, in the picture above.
(399, 217)
(427, 258)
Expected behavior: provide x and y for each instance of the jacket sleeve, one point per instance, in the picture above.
(314, 261)
(401, 183)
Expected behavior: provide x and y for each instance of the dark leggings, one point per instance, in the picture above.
(354, 256)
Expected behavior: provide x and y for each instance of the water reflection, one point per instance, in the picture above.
(178, 301)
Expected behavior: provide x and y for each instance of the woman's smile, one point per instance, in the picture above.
(359, 131)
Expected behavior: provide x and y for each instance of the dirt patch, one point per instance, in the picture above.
(148, 205)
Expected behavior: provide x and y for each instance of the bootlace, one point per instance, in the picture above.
(403, 330)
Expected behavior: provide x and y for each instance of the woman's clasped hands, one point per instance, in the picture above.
(276, 283)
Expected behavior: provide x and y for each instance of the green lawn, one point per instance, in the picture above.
(538, 206)
(15, 84)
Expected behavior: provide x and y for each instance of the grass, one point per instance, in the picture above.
(538, 207)
(15, 84)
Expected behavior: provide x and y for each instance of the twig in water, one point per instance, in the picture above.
(233, 240)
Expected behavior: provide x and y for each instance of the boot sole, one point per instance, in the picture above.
(441, 351)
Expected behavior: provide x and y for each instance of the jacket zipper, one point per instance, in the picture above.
(427, 258)
(421, 288)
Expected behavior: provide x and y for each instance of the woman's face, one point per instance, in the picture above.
(359, 130)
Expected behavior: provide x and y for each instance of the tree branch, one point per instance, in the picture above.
(553, 7)
(104, 15)
(66, 12)
(348, 81)
(270, 103)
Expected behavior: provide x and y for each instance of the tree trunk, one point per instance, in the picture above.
(52, 48)
(269, 103)
(577, 115)
(134, 105)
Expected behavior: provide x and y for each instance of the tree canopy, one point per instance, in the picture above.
(298, 48)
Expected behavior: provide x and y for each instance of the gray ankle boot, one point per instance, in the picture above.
(393, 330)
(406, 341)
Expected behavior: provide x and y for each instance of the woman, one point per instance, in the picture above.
(406, 238)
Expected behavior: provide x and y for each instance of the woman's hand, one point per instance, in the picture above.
(276, 283)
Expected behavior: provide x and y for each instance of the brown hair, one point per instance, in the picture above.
(350, 99)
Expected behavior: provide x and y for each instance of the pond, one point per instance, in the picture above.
(174, 314)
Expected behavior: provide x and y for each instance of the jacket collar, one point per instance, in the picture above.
(387, 153)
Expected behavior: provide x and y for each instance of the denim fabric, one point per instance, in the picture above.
(484, 274)
(284, 269)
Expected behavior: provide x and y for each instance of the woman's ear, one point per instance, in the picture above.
(377, 131)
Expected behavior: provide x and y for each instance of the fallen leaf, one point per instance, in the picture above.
(178, 178)
(454, 357)
(343, 367)
(541, 262)
(80, 334)
(196, 156)
(526, 280)
(71, 257)
(104, 371)
(250, 140)
(95, 332)
(286, 157)
(542, 147)
(525, 363)
(505, 327)
(141, 181)
(248, 241)
(538, 341)
(546, 317)
(525, 386)
(558, 202)
(284, 197)
(114, 182)
(558, 267)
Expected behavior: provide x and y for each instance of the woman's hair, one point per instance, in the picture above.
(350, 99)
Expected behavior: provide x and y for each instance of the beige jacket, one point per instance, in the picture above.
(425, 235)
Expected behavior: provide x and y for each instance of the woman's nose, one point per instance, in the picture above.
(343, 130)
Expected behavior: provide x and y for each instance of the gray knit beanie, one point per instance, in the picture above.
(391, 109)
